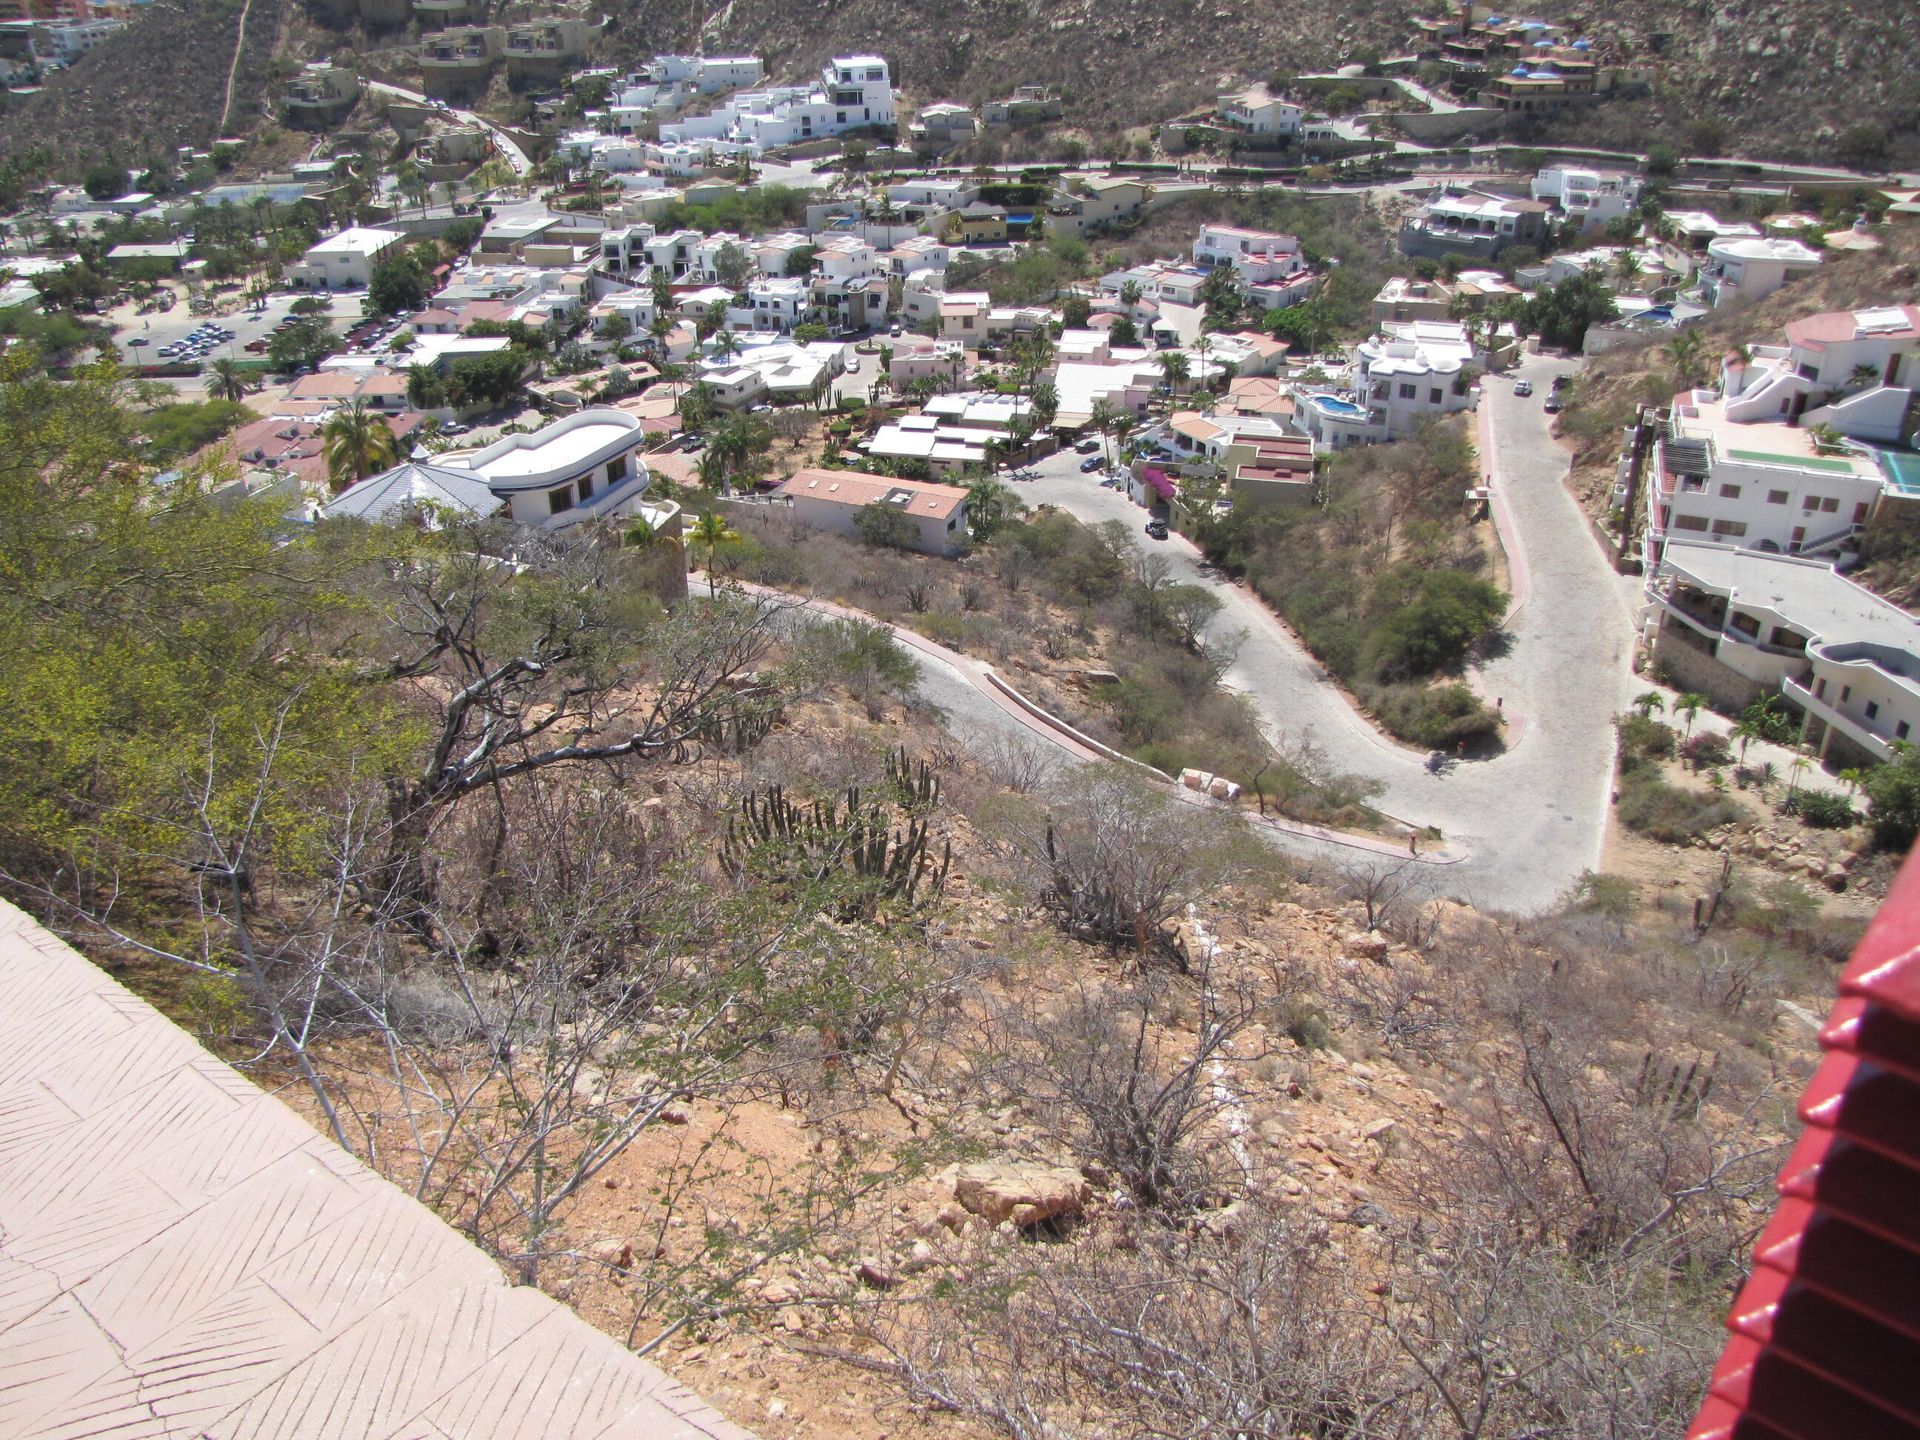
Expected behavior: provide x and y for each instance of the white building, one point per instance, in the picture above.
(1697, 229)
(1757, 485)
(917, 358)
(1589, 197)
(854, 92)
(774, 305)
(1256, 256)
(1738, 625)
(345, 261)
(1407, 373)
(1752, 269)
(1255, 112)
(1853, 370)
(782, 370)
(585, 467)
(833, 500)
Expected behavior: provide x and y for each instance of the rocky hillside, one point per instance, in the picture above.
(1117, 62)
(157, 85)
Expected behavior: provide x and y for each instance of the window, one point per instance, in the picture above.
(1829, 504)
(1846, 693)
(1860, 513)
(586, 485)
(1819, 689)
(1900, 730)
(1689, 522)
(1746, 624)
(561, 499)
(1729, 492)
(1873, 709)
(1776, 497)
(1734, 528)
(1407, 392)
(1433, 397)
(617, 471)
(1799, 534)
(1809, 502)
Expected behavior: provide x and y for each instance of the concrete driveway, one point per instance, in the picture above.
(1533, 819)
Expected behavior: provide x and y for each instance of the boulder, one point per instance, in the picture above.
(1367, 944)
(1023, 1194)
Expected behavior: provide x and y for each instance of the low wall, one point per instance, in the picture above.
(1694, 669)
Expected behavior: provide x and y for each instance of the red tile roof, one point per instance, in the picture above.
(1826, 1332)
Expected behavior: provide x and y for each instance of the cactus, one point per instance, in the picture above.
(1673, 1090)
(880, 846)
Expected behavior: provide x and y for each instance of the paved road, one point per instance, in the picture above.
(509, 149)
(1531, 820)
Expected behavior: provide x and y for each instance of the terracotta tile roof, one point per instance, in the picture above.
(185, 1256)
(850, 487)
(1826, 1331)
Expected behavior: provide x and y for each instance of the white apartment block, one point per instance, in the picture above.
(1738, 626)
(1758, 486)
(1256, 256)
(853, 92)
(345, 261)
(1697, 229)
(915, 254)
(1589, 197)
(1752, 269)
(1854, 370)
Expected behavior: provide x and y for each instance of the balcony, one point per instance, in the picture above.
(1855, 728)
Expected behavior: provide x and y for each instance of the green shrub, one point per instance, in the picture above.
(1643, 740)
(1821, 809)
(1893, 798)
(1651, 807)
(1440, 717)
(1706, 749)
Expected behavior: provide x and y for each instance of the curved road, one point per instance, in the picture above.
(1532, 819)
(507, 146)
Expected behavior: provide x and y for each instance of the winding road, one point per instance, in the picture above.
(1531, 820)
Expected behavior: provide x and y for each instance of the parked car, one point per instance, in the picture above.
(1552, 407)
(1090, 464)
(1561, 382)
(1088, 446)
(1523, 387)
(1156, 529)
(454, 427)
(255, 347)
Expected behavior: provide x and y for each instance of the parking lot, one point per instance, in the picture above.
(170, 327)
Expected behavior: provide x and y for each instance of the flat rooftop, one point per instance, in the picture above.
(185, 1256)
(561, 446)
(1760, 442)
(1813, 598)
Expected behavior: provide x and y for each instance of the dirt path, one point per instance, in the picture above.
(233, 70)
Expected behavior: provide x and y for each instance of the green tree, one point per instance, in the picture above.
(1690, 705)
(1662, 159)
(1075, 310)
(397, 283)
(733, 266)
(1560, 314)
(305, 342)
(1175, 367)
(1044, 405)
(107, 181)
(1448, 612)
(1893, 798)
(1647, 702)
(990, 505)
(357, 442)
(885, 528)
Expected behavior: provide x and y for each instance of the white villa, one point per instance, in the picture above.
(1402, 375)
(1854, 370)
(585, 467)
(833, 499)
(1591, 197)
(1257, 256)
(1738, 625)
(345, 261)
(1752, 269)
(854, 92)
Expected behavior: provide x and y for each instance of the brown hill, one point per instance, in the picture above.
(1723, 68)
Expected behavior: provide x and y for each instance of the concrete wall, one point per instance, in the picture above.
(1694, 669)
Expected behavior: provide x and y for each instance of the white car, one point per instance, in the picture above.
(1523, 387)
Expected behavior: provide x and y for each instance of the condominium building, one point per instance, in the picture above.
(854, 92)
(1406, 373)
(1460, 221)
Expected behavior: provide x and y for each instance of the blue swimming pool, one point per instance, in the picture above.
(1333, 405)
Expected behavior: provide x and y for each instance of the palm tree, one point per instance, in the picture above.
(1863, 377)
(1102, 419)
(1684, 351)
(725, 344)
(1853, 775)
(357, 443)
(226, 381)
(1800, 765)
(1690, 705)
(1649, 701)
(1626, 267)
(1044, 405)
(1174, 366)
(709, 533)
(1130, 294)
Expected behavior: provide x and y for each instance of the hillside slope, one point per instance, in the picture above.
(153, 87)
(1724, 67)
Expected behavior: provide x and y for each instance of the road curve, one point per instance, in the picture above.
(508, 147)
(1531, 820)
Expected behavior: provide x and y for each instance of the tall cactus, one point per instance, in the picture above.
(879, 848)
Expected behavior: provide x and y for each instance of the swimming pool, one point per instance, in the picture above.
(1333, 405)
